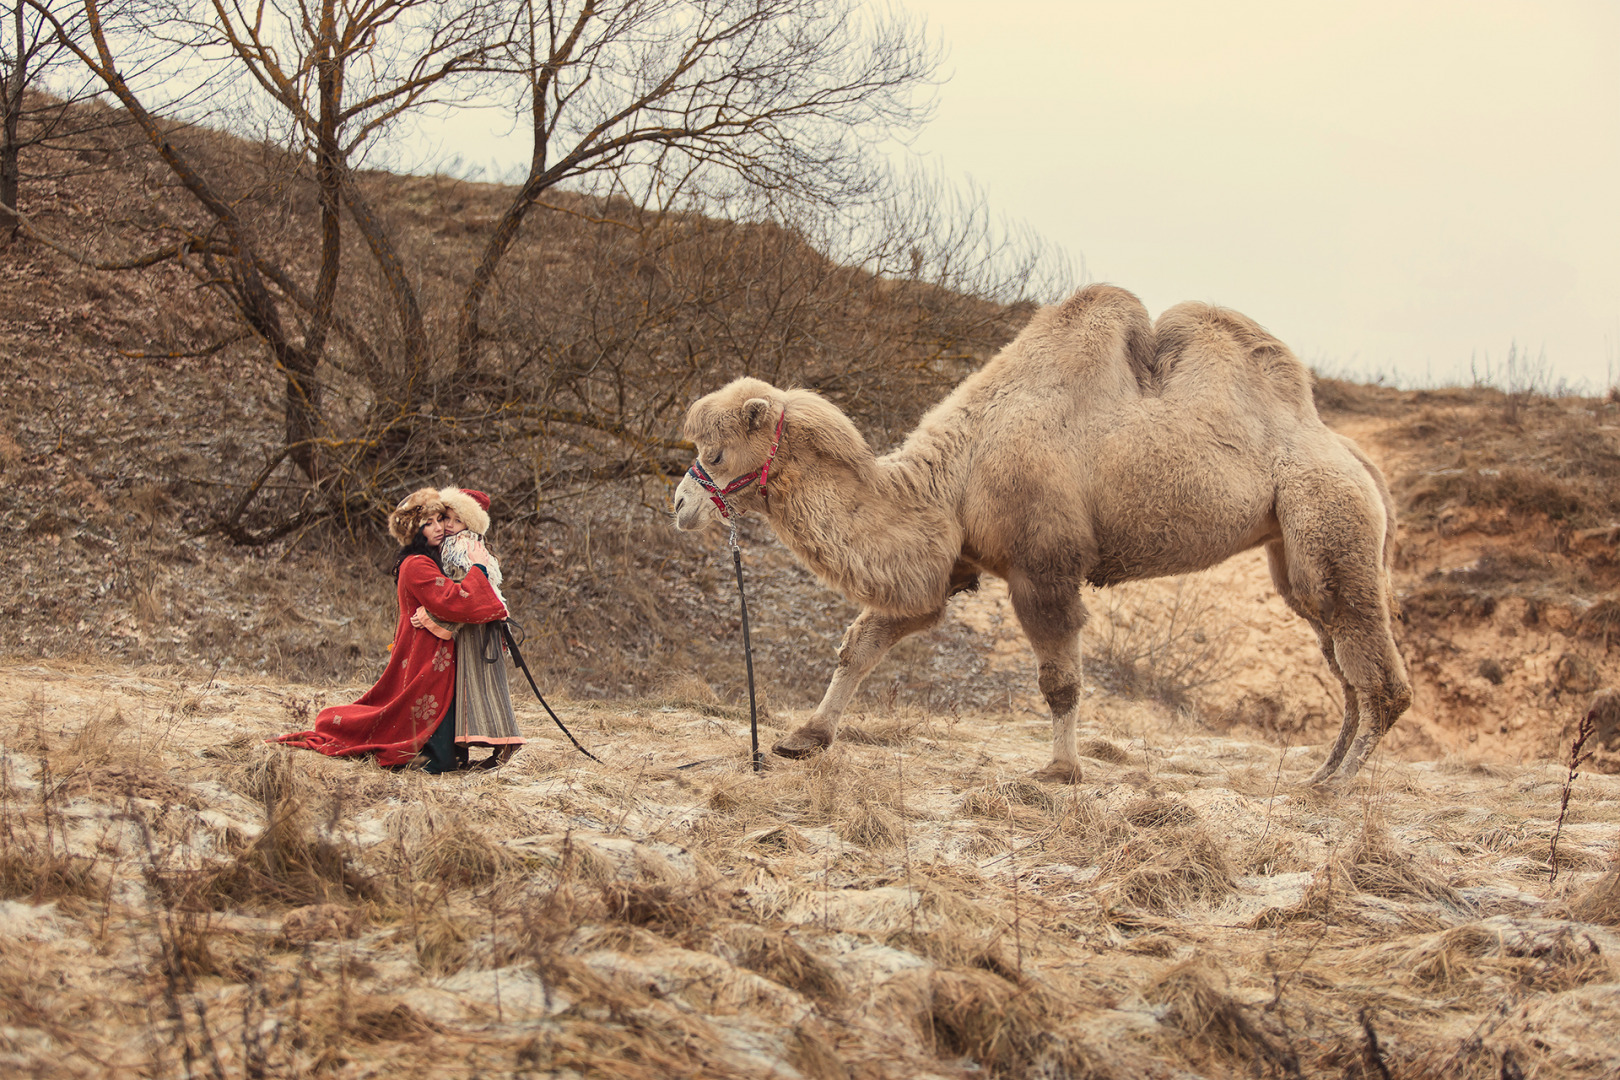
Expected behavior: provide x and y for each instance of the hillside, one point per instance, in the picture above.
(179, 899)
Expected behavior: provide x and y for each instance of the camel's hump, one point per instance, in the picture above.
(1222, 343)
(1094, 322)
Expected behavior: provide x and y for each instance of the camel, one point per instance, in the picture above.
(1097, 447)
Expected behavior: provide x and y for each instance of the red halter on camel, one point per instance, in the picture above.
(717, 494)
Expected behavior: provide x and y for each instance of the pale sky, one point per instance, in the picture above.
(1392, 187)
(1388, 186)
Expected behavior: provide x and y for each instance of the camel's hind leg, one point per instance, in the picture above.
(1052, 615)
(867, 641)
(1352, 715)
(1334, 575)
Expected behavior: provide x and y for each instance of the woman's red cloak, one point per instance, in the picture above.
(395, 717)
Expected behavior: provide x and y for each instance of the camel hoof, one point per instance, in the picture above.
(1332, 784)
(802, 744)
(1059, 773)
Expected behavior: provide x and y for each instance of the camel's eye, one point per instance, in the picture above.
(714, 462)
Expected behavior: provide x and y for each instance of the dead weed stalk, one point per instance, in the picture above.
(1577, 756)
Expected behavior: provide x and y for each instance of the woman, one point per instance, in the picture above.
(483, 707)
(408, 716)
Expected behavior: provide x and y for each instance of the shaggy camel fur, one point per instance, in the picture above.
(1095, 448)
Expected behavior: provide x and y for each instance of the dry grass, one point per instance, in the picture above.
(1600, 901)
(1479, 958)
(1007, 1029)
(1375, 864)
(1169, 870)
(1214, 1025)
(890, 909)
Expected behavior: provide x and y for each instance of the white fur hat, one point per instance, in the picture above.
(472, 507)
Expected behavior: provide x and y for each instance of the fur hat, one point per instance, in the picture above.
(472, 507)
(414, 510)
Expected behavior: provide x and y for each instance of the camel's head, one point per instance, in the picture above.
(733, 429)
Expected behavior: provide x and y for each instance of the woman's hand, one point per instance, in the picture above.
(477, 552)
(427, 622)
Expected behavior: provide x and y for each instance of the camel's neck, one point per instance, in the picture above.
(883, 530)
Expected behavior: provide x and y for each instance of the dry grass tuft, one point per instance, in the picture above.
(321, 922)
(890, 731)
(1103, 750)
(678, 912)
(383, 1019)
(288, 865)
(684, 689)
(1214, 1024)
(1374, 865)
(1168, 870)
(36, 864)
(870, 824)
(1008, 1030)
(186, 939)
(1156, 813)
(1090, 831)
(266, 774)
(857, 802)
(460, 856)
(444, 943)
(814, 1055)
(997, 800)
(1481, 957)
(778, 957)
(33, 869)
(1601, 902)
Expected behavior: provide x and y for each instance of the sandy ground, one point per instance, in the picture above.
(184, 900)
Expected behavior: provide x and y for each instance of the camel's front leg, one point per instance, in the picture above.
(866, 642)
(1052, 614)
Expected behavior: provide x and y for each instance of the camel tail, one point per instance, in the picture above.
(1109, 303)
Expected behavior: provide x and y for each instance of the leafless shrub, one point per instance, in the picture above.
(1162, 647)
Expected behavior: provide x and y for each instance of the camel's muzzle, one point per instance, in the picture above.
(692, 506)
(717, 494)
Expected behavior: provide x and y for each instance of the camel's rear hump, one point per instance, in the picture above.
(1203, 349)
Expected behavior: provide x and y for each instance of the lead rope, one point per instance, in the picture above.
(748, 652)
(517, 658)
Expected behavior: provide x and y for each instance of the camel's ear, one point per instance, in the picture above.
(755, 412)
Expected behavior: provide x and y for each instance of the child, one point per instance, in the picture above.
(483, 697)
(466, 520)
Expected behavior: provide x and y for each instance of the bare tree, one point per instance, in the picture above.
(689, 156)
(41, 92)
